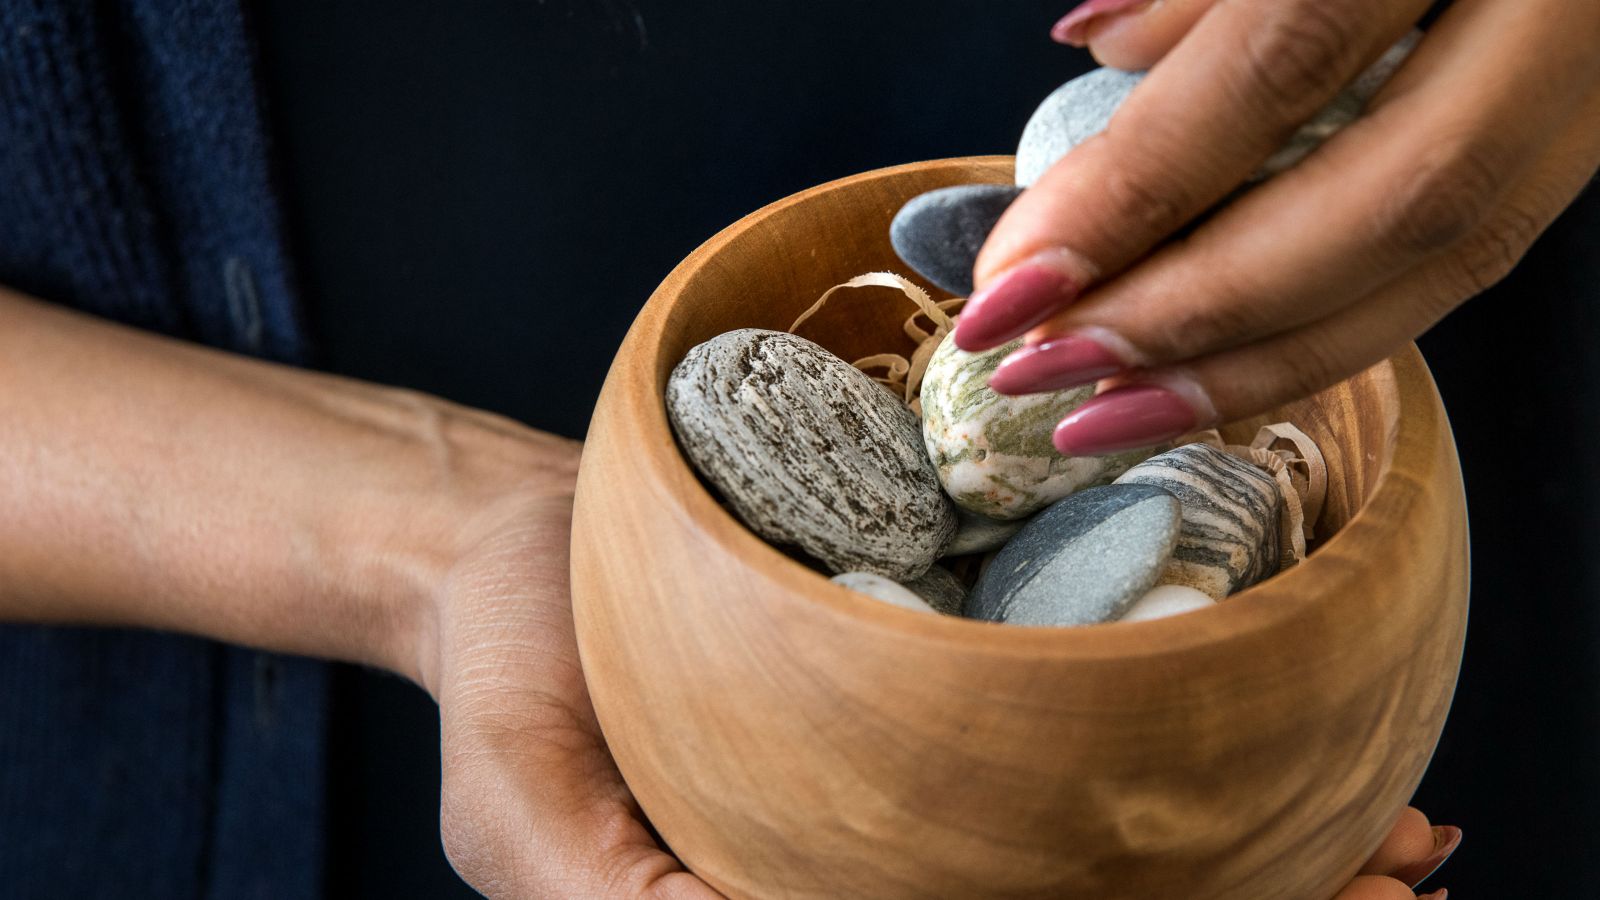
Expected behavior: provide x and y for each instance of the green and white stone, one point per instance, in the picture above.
(993, 452)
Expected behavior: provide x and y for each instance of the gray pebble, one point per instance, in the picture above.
(979, 534)
(939, 233)
(809, 451)
(1086, 559)
(941, 588)
(1073, 113)
(881, 588)
(1082, 108)
(1232, 518)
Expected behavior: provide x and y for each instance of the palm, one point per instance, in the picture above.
(533, 805)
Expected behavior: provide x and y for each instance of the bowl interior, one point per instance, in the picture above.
(770, 267)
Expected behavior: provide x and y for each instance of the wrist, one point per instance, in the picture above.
(452, 478)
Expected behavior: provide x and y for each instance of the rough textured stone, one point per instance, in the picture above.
(809, 451)
(941, 588)
(1081, 109)
(1232, 518)
(993, 452)
(1073, 113)
(939, 233)
(1082, 561)
(980, 534)
(881, 588)
(1165, 600)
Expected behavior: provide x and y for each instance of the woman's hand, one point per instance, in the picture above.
(1480, 140)
(1411, 852)
(533, 805)
(153, 483)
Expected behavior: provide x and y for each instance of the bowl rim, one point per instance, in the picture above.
(1281, 601)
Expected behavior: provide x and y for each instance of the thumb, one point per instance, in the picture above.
(1129, 34)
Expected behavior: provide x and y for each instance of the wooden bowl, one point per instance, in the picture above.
(791, 738)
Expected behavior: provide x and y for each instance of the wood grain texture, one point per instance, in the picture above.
(790, 738)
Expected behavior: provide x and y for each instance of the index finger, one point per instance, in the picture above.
(1229, 95)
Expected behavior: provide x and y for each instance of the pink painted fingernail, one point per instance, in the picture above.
(1074, 27)
(1446, 838)
(1140, 415)
(1017, 301)
(1058, 363)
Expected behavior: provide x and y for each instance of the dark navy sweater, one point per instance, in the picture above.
(134, 185)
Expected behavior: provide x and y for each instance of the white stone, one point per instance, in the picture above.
(881, 588)
(1165, 600)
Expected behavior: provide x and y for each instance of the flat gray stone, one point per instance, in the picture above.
(1232, 518)
(939, 233)
(1085, 560)
(809, 451)
(941, 589)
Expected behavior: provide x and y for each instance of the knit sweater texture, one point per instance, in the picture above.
(134, 185)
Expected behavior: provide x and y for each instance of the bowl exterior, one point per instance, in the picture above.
(789, 738)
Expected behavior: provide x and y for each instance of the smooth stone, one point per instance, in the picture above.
(980, 534)
(1082, 108)
(939, 233)
(1166, 600)
(941, 589)
(809, 451)
(881, 588)
(1082, 561)
(992, 452)
(1073, 113)
(1232, 518)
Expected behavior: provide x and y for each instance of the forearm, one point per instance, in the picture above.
(148, 482)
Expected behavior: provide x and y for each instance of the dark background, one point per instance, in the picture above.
(483, 194)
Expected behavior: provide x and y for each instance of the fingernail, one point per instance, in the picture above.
(1140, 415)
(1440, 894)
(1446, 838)
(1055, 364)
(1074, 26)
(1017, 301)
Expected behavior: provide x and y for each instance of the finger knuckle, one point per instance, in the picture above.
(1495, 249)
(1312, 361)
(1446, 197)
(1300, 51)
(1139, 196)
(1224, 316)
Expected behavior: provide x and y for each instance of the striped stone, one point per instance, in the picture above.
(1232, 518)
(809, 451)
(993, 452)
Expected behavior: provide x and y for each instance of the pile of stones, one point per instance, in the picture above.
(816, 457)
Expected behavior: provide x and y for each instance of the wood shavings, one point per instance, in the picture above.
(926, 328)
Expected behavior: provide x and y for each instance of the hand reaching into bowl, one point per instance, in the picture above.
(1476, 145)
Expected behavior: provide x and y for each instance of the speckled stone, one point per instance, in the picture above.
(1232, 518)
(993, 453)
(1166, 600)
(1081, 109)
(809, 451)
(980, 534)
(941, 589)
(1073, 113)
(881, 588)
(1082, 561)
(939, 233)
